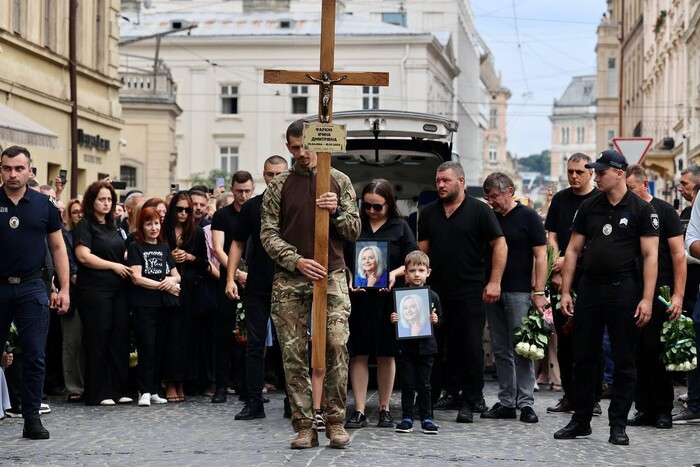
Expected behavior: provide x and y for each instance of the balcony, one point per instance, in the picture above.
(142, 86)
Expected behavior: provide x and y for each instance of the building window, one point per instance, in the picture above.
(229, 158)
(128, 174)
(99, 35)
(493, 153)
(564, 136)
(398, 18)
(18, 16)
(229, 99)
(49, 21)
(370, 97)
(300, 99)
(611, 135)
(493, 119)
(580, 135)
(612, 77)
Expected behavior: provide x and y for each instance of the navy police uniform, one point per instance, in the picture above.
(23, 297)
(608, 294)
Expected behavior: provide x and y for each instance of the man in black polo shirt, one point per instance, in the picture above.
(258, 287)
(222, 226)
(620, 232)
(27, 219)
(558, 226)
(690, 178)
(454, 231)
(654, 391)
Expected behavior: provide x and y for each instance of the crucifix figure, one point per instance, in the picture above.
(325, 79)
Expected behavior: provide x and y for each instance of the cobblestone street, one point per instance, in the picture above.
(197, 432)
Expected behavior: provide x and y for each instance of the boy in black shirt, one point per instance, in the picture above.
(416, 355)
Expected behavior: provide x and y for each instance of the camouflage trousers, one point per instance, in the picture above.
(292, 297)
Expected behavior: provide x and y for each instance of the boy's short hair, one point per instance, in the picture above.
(417, 258)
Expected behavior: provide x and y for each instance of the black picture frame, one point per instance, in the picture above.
(421, 298)
(380, 250)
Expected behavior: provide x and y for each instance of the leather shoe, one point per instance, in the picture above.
(642, 419)
(618, 436)
(219, 396)
(573, 430)
(498, 411)
(33, 429)
(251, 410)
(465, 414)
(663, 421)
(562, 406)
(528, 415)
(480, 407)
(446, 402)
(607, 391)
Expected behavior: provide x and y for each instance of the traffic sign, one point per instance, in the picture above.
(634, 149)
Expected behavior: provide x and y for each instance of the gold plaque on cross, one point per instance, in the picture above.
(325, 137)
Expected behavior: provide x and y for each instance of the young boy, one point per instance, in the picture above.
(416, 355)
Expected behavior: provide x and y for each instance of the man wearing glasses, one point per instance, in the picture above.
(558, 226)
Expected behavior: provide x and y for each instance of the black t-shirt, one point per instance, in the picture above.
(669, 226)
(261, 268)
(523, 230)
(692, 281)
(106, 242)
(396, 232)
(458, 246)
(612, 232)
(225, 220)
(156, 262)
(561, 214)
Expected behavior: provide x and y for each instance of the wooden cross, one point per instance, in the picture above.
(325, 79)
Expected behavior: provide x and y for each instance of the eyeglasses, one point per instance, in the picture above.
(373, 206)
(577, 172)
(76, 213)
(183, 209)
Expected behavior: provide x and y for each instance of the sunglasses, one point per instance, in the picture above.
(183, 209)
(372, 206)
(577, 172)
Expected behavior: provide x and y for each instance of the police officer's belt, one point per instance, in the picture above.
(14, 280)
(608, 278)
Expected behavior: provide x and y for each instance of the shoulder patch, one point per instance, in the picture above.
(655, 221)
(54, 202)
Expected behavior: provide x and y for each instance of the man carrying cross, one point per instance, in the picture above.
(286, 233)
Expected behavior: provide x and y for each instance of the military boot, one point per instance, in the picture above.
(336, 433)
(306, 436)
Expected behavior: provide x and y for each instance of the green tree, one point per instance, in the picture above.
(537, 162)
(209, 180)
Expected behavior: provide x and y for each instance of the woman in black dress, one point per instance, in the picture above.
(100, 291)
(371, 330)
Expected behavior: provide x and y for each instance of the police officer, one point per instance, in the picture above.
(620, 233)
(26, 219)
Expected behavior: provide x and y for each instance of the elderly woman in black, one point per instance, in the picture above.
(100, 291)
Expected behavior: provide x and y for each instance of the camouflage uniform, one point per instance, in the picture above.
(292, 295)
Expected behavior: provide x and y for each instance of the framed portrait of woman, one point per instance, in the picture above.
(412, 304)
(371, 264)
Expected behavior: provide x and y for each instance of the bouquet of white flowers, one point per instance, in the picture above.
(678, 336)
(532, 336)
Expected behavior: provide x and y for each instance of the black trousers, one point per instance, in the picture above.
(257, 315)
(654, 390)
(149, 328)
(105, 319)
(600, 304)
(464, 332)
(225, 322)
(415, 377)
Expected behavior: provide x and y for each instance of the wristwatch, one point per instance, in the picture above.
(338, 212)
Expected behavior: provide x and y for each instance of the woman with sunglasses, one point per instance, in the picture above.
(371, 330)
(186, 242)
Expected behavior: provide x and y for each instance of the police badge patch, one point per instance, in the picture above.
(655, 221)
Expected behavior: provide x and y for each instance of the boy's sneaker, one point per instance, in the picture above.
(319, 422)
(358, 420)
(429, 427)
(156, 399)
(405, 426)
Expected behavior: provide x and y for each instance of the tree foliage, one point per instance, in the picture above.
(537, 162)
(209, 180)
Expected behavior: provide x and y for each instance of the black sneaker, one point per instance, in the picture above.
(498, 411)
(404, 426)
(429, 427)
(465, 414)
(446, 402)
(219, 396)
(251, 410)
(385, 419)
(528, 415)
(33, 429)
(480, 407)
(358, 420)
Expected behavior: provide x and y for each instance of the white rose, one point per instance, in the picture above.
(533, 348)
(695, 361)
(540, 354)
(669, 367)
(687, 366)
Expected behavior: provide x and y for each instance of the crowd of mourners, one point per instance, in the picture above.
(208, 292)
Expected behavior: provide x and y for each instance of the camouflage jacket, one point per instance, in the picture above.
(282, 236)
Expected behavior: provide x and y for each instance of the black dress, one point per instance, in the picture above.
(371, 330)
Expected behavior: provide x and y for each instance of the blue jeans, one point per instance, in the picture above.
(516, 374)
(608, 364)
(27, 304)
(694, 376)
